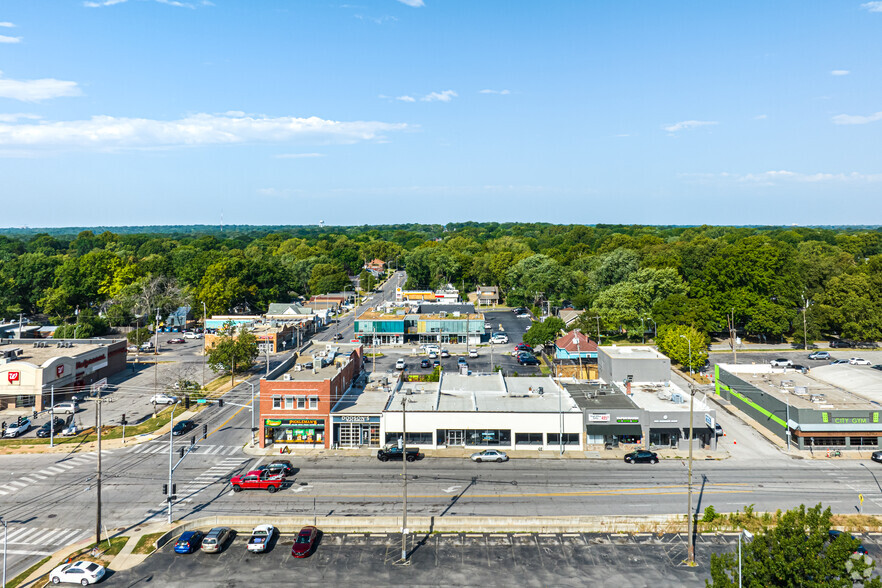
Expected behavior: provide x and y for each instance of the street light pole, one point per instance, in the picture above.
(171, 455)
(689, 490)
(5, 537)
(404, 477)
(204, 323)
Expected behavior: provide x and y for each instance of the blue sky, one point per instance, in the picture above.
(123, 112)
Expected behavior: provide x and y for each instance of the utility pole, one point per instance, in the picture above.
(689, 491)
(204, 324)
(98, 403)
(404, 478)
(598, 329)
(171, 449)
(5, 538)
(52, 415)
(805, 304)
(731, 321)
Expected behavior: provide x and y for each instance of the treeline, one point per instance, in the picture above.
(635, 278)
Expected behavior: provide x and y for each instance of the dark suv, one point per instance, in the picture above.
(279, 466)
(394, 453)
(841, 344)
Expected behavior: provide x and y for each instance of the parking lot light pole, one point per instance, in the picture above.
(252, 412)
(51, 416)
(689, 490)
(5, 537)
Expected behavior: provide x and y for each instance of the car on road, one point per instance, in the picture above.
(718, 429)
(305, 542)
(176, 341)
(70, 428)
(858, 361)
(182, 427)
(521, 347)
(823, 355)
(781, 362)
(192, 335)
(488, 326)
(800, 368)
(489, 455)
(834, 534)
(877, 456)
(19, 427)
(163, 399)
(132, 348)
(260, 538)
(518, 310)
(394, 453)
(425, 363)
(498, 338)
(400, 364)
(279, 467)
(189, 542)
(78, 572)
(641, 456)
(841, 343)
(66, 407)
(878, 366)
(523, 315)
(444, 353)
(258, 480)
(47, 430)
(473, 353)
(839, 362)
(215, 539)
(338, 336)
(527, 359)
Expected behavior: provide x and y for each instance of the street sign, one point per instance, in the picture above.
(200, 401)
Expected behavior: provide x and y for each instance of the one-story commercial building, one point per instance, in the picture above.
(832, 406)
(432, 324)
(31, 372)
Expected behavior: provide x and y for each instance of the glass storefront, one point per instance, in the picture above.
(299, 431)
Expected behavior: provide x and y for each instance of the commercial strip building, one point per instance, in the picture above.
(31, 372)
(297, 396)
(832, 406)
(432, 324)
(448, 295)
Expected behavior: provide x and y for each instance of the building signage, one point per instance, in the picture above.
(598, 418)
(627, 420)
(13, 376)
(356, 419)
(709, 420)
(59, 370)
(851, 420)
(301, 422)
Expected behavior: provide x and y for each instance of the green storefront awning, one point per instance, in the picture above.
(595, 429)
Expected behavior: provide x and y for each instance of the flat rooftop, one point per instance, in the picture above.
(336, 356)
(599, 397)
(484, 393)
(661, 396)
(363, 401)
(374, 315)
(828, 387)
(40, 355)
(631, 352)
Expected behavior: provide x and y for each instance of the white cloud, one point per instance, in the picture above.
(688, 124)
(776, 177)
(872, 6)
(177, 4)
(108, 132)
(445, 96)
(761, 117)
(406, 98)
(298, 155)
(851, 119)
(6, 39)
(16, 116)
(413, 3)
(502, 92)
(36, 90)
(839, 72)
(7, 25)
(90, 4)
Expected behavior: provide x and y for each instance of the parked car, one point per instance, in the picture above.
(19, 427)
(473, 353)
(878, 366)
(425, 363)
(147, 346)
(800, 368)
(400, 364)
(497, 338)
(488, 326)
(841, 343)
(182, 427)
(834, 534)
(781, 362)
(820, 355)
(521, 347)
(641, 456)
(839, 362)
(858, 361)
(718, 429)
(189, 542)
(279, 467)
(258, 480)
(445, 353)
(489, 455)
(865, 345)
(527, 359)
(132, 348)
(70, 428)
(305, 542)
(436, 363)
(877, 456)
(176, 341)
(260, 538)
(433, 355)
(163, 399)
(192, 335)
(78, 572)
(461, 361)
(47, 430)
(525, 315)
(215, 539)
(430, 347)
(394, 453)
(66, 407)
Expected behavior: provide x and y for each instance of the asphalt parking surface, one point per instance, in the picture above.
(468, 559)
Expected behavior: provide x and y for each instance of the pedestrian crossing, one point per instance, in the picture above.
(37, 540)
(215, 477)
(201, 449)
(76, 460)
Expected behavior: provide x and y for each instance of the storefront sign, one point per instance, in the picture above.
(59, 370)
(709, 421)
(627, 420)
(295, 422)
(356, 419)
(598, 418)
(13, 376)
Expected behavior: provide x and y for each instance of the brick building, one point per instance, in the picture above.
(296, 398)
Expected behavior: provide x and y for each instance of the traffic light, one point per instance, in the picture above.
(205, 431)
(220, 402)
(192, 441)
(35, 415)
(165, 489)
(174, 489)
(181, 452)
(187, 402)
(123, 420)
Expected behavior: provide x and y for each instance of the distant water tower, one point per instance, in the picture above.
(321, 223)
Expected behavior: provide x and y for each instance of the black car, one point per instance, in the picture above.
(279, 466)
(182, 427)
(44, 430)
(841, 344)
(877, 456)
(641, 456)
(393, 453)
(527, 359)
(519, 310)
(425, 363)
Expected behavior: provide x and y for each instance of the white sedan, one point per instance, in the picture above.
(163, 399)
(79, 572)
(260, 538)
(858, 361)
(489, 455)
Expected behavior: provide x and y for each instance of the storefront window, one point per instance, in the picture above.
(528, 438)
(415, 438)
(568, 438)
(295, 430)
(488, 437)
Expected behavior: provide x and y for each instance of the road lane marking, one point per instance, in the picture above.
(53, 470)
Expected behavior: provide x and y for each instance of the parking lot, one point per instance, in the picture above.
(456, 559)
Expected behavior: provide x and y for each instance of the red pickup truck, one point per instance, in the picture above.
(258, 480)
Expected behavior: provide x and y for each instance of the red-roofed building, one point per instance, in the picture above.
(377, 265)
(575, 345)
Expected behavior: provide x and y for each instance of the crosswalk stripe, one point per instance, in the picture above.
(27, 552)
(2, 493)
(23, 533)
(232, 450)
(39, 537)
(27, 480)
(39, 477)
(67, 536)
(9, 488)
(53, 470)
(17, 483)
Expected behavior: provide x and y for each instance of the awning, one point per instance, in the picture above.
(613, 430)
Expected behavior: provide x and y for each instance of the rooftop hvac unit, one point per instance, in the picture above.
(800, 390)
(286, 377)
(677, 398)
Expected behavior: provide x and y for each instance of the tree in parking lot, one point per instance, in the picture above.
(798, 551)
(676, 341)
(139, 336)
(544, 332)
(233, 351)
